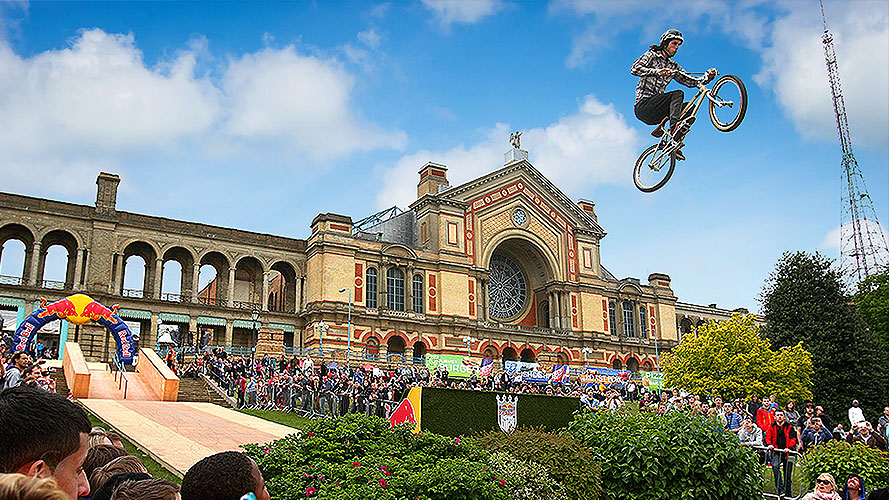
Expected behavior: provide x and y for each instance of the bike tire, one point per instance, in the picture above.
(734, 86)
(642, 163)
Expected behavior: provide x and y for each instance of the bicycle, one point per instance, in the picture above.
(727, 101)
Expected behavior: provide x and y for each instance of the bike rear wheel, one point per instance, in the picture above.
(728, 104)
(653, 169)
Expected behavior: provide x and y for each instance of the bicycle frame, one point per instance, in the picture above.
(667, 145)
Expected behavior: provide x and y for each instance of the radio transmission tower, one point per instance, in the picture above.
(863, 249)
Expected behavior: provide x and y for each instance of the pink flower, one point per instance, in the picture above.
(502, 483)
(382, 482)
(355, 464)
(310, 434)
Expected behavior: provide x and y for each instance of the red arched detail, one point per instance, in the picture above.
(394, 333)
(369, 334)
(632, 356)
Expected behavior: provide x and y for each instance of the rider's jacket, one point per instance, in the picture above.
(650, 83)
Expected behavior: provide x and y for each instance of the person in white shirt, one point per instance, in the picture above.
(855, 414)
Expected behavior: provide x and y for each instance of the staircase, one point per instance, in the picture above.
(196, 390)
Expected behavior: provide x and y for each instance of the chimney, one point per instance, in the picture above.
(106, 194)
(433, 177)
(588, 208)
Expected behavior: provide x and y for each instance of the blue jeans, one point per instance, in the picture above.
(782, 484)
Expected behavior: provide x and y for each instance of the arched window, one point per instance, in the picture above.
(643, 323)
(418, 294)
(373, 346)
(371, 288)
(633, 365)
(629, 323)
(617, 365)
(612, 318)
(395, 289)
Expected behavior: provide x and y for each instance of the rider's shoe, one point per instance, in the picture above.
(682, 128)
(679, 155)
(659, 131)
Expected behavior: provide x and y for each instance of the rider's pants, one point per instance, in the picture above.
(652, 110)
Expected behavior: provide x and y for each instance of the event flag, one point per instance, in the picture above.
(487, 368)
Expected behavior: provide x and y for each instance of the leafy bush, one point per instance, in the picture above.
(567, 460)
(527, 480)
(840, 459)
(360, 458)
(653, 456)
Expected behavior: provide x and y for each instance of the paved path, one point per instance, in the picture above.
(180, 434)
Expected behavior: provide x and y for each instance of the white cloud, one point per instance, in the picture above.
(840, 240)
(609, 18)
(794, 69)
(462, 11)
(370, 38)
(93, 103)
(594, 145)
(279, 94)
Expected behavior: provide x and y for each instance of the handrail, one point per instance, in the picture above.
(123, 378)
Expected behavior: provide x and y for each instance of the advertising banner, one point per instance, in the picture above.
(653, 380)
(457, 366)
(592, 376)
(522, 371)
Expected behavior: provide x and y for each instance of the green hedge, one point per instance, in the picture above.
(454, 412)
(841, 459)
(566, 459)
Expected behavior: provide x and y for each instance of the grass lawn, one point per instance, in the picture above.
(155, 469)
(768, 482)
(279, 417)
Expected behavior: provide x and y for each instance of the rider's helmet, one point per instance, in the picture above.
(670, 35)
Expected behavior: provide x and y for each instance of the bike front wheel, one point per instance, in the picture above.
(728, 103)
(654, 168)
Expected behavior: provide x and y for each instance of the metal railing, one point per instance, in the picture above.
(132, 293)
(54, 285)
(237, 304)
(119, 375)
(791, 458)
(11, 280)
(172, 297)
(212, 301)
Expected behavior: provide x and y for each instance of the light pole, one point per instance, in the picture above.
(255, 315)
(322, 327)
(349, 338)
(469, 341)
(657, 362)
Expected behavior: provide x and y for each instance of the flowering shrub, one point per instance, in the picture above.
(840, 459)
(527, 480)
(653, 456)
(360, 458)
(567, 460)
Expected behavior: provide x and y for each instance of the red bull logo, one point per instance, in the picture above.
(25, 338)
(79, 309)
(61, 308)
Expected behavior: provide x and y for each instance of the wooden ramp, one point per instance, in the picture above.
(180, 434)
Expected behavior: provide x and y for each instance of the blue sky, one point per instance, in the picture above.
(261, 115)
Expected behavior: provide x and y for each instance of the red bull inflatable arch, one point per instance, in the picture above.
(78, 309)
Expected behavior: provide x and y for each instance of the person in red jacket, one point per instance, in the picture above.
(781, 439)
(765, 415)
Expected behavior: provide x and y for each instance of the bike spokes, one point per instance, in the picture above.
(728, 103)
(654, 167)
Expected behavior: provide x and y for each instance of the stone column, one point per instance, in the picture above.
(193, 329)
(265, 291)
(409, 290)
(33, 279)
(195, 280)
(483, 293)
(298, 295)
(158, 278)
(231, 288)
(150, 339)
(118, 274)
(78, 267)
(229, 333)
(86, 267)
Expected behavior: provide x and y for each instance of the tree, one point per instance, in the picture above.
(804, 301)
(731, 359)
(873, 303)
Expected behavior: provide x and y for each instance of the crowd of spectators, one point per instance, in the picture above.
(69, 460)
(18, 368)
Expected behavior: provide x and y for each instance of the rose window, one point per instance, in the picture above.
(507, 288)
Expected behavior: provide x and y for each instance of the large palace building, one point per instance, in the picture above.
(504, 266)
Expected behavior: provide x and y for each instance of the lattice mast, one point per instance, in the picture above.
(863, 249)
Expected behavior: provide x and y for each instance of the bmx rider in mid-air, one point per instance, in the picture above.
(655, 68)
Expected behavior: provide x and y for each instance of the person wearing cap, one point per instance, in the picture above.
(655, 69)
(855, 414)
